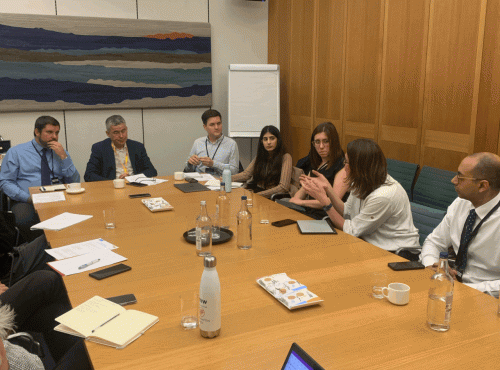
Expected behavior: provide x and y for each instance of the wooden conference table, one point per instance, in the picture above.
(349, 330)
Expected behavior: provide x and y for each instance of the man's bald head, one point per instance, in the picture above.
(487, 168)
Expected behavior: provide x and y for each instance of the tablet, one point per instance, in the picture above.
(298, 359)
(316, 226)
(191, 187)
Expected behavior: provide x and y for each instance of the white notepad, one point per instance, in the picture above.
(315, 227)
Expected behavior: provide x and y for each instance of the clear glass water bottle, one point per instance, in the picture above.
(203, 232)
(244, 229)
(210, 321)
(226, 177)
(440, 296)
(224, 207)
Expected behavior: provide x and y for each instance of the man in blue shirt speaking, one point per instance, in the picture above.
(41, 161)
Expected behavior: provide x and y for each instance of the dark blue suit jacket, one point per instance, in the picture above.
(102, 164)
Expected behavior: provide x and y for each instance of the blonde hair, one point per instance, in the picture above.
(6, 321)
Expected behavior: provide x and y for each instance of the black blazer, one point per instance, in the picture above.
(102, 164)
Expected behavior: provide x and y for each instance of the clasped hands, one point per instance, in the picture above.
(195, 161)
(316, 187)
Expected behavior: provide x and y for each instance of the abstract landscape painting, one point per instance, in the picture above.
(56, 62)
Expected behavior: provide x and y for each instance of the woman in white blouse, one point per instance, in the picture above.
(377, 210)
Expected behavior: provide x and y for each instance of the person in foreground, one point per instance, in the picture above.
(210, 153)
(117, 157)
(327, 157)
(377, 210)
(270, 172)
(472, 225)
(33, 304)
(41, 161)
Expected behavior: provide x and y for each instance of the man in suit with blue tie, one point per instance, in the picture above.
(117, 156)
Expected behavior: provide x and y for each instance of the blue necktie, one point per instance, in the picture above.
(45, 169)
(461, 261)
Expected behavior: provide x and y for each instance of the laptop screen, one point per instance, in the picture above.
(298, 359)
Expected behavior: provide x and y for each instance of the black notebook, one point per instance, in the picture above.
(191, 187)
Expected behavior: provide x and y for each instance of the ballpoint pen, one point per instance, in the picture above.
(88, 264)
(104, 323)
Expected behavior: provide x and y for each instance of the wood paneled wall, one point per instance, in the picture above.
(421, 77)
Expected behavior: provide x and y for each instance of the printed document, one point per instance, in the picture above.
(70, 266)
(48, 197)
(78, 249)
(61, 221)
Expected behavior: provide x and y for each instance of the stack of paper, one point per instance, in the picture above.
(144, 180)
(78, 249)
(48, 197)
(60, 222)
(71, 266)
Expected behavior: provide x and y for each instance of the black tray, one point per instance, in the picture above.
(225, 236)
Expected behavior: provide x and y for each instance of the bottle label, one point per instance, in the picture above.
(198, 238)
(209, 314)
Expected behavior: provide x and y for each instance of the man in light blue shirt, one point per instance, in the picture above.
(210, 153)
(22, 168)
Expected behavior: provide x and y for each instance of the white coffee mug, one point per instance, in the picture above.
(397, 293)
(119, 183)
(74, 186)
(179, 175)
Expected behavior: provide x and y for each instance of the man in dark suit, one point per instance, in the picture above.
(117, 157)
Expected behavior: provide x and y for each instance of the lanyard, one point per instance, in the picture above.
(206, 147)
(44, 158)
(124, 165)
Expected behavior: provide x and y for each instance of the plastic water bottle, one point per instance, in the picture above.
(203, 232)
(224, 207)
(226, 177)
(440, 296)
(244, 230)
(210, 299)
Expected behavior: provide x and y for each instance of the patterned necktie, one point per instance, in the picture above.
(45, 168)
(461, 261)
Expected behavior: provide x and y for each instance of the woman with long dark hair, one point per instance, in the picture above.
(326, 157)
(270, 172)
(377, 210)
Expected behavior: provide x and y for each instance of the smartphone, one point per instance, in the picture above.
(138, 184)
(283, 222)
(123, 300)
(145, 195)
(402, 266)
(110, 271)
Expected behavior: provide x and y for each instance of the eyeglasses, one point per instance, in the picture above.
(319, 142)
(460, 177)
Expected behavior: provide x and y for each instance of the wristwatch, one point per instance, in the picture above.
(328, 207)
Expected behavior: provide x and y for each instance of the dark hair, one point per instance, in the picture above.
(209, 114)
(43, 121)
(335, 149)
(487, 168)
(367, 167)
(267, 170)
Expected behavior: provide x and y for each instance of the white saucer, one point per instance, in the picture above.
(81, 190)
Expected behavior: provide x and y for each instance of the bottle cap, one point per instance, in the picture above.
(443, 255)
(244, 197)
(203, 202)
(210, 261)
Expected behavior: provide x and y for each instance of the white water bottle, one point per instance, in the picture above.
(210, 299)
(226, 177)
(440, 296)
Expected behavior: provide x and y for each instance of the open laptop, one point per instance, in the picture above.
(298, 359)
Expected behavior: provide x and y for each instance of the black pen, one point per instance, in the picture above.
(104, 323)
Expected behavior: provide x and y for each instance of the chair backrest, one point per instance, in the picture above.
(404, 173)
(434, 189)
(425, 219)
(295, 180)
